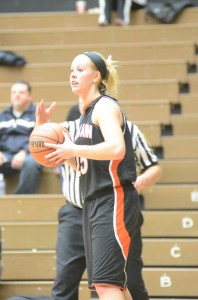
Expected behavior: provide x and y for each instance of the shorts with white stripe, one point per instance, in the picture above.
(109, 221)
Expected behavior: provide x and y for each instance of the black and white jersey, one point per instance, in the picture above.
(70, 178)
(144, 158)
(144, 155)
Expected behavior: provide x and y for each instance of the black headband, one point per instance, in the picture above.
(98, 62)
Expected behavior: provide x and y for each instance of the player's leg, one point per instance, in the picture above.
(110, 240)
(70, 263)
(109, 292)
(134, 266)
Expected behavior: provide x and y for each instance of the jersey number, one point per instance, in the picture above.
(82, 165)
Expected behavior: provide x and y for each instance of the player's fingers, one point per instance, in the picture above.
(59, 161)
(51, 108)
(41, 104)
(51, 156)
(49, 145)
(39, 107)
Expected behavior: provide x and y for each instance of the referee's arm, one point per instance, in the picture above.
(146, 160)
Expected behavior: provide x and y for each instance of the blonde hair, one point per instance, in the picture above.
(112, 79)
(110, 84)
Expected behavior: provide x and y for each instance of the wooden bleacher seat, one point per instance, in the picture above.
(138, 111)
(175, 252)
(28, 235)
(193, 82)
(69, 36)
(189, 103)
(153, 277)
(65, 20)
(185, 124)
(171, 196)
(29, 265)
(161, 281)
(127, 70)
(152, 69)
(136, 89)
(40, 264)
(147, 110)
(17, 207)
(171, 282)
(180, 171)
(10, 288)
(50, 182)
(170, 223)
(180, 146)
(124, 51)
(35, 234)
(46, 19)
(151, 129)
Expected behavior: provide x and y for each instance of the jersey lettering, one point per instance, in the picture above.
(85, 131)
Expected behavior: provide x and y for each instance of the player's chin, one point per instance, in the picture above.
(75, 89)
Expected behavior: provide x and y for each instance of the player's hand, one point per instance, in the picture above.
(62, 151)
(44, 114)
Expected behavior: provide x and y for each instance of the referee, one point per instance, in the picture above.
(71, 264)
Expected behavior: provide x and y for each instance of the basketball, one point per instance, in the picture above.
(45, 133)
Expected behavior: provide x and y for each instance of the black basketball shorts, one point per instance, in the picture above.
(109, 221)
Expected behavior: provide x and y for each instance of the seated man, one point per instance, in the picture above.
(16, 125)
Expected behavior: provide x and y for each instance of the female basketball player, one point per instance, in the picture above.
(103, 151)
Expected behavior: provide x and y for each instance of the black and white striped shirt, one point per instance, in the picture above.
(144, 157)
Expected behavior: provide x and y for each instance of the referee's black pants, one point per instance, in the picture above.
(71, 263)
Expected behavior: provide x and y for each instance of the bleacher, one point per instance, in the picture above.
(159, 91)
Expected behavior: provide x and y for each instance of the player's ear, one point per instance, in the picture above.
(97, 77)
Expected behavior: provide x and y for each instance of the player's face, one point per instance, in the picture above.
(20, 96)
(83, 75)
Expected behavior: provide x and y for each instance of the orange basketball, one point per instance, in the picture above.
(45, 133)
